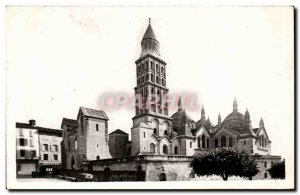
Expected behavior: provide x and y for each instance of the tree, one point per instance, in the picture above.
(224, 162)
(278, 170)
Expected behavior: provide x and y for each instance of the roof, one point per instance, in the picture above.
(149, 34)
(48, 130)
(25, 126)
(118, 131)
(69, 122)
(39, 129)
(255, 130)
(94, 113)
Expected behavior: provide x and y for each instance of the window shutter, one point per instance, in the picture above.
(18, 142)
(18, 154)
(25, 142)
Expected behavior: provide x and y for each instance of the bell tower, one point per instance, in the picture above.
(151, 108)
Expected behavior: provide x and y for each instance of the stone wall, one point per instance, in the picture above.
(118, 145)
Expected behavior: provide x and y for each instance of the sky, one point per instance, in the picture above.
(61, 58)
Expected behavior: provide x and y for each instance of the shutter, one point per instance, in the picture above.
(18, 153)
(25, 142)
(18, 142)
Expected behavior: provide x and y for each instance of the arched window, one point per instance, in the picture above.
(216, 143)
(162, 177)
(152, 77)
(98, 157)
(230, 142)
(157, 68)
(176, 150)
(199, 141)
(152, 148)
(165, 132)
(265, 175)
(165, 149)
(154, 131)
(223, 141)
(207, 143)
(152, 66)
(162, 70)
(203, 141)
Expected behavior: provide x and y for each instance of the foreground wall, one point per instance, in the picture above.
(158, 168)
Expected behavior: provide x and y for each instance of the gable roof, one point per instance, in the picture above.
(255, 130)
(69, 122)
(118, 131)
(93, 113)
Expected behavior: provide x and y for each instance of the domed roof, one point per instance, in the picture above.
(234, 119)
(181, 117)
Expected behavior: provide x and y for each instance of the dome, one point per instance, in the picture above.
(181, 117)
(234, 119)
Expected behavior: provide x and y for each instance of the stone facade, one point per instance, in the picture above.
(85, 138)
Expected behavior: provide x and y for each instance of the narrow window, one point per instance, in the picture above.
(230, 142)
(69, 146)
(144, 134)
(223, 141)
(245, 142)
(207, 143)
(22, 153)
(191, 144)
(266, 163)
(22, 142)
(216, 143)
(55, 156)
(45, 147)
(203, 141)
(45, 156)
(75, 143)
(199, 141)
(97, 127)
(266, 175)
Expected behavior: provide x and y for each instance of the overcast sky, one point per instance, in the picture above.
(62, 58)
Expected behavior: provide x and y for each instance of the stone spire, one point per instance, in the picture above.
(247, 116)
(180, 105)
(235, 105)
(261, 122)
(150, 44)
(202, 113)
(219, 119)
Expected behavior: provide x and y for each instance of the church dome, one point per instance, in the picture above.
(234, 119)
(181, 117)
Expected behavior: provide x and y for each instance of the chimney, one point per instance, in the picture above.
(32, 122)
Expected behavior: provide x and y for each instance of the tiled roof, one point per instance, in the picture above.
(94, 113)
(118, 131)
(69, 122)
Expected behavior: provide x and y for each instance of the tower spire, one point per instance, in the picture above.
(180, 105)
(150, 44)
(235, 105)
(219, 119)
(202, 112)
(261, 122)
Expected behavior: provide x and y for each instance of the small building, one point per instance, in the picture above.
(38, 148)
(27, 148)
(118, 141)
(50, 149)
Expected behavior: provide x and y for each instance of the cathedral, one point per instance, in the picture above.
(154, 132)
(161, 145)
